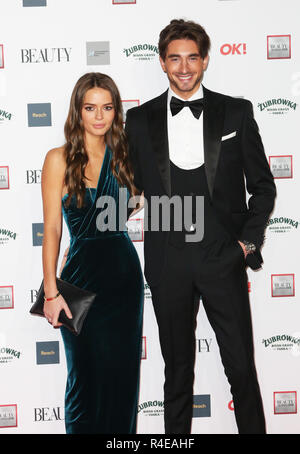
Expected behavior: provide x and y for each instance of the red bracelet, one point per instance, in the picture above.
(52, 298)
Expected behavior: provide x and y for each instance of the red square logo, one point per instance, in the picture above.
(135, 229)
(278, 47)
(8, 416)
(282, 285)
(6, 297)
(285, 402)
(123, 2)
(281, 166)
(4, 177)
(144, 348)
(1, 56)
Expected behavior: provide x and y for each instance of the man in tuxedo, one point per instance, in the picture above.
(191, 141)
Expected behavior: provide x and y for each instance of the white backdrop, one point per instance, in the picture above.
(43, 51)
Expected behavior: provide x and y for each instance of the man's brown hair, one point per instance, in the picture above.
(181, 29)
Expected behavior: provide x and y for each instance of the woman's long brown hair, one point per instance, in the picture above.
(75, 152)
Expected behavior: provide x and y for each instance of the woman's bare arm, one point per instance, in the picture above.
(52, 185)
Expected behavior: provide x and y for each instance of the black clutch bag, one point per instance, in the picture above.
(78, 300)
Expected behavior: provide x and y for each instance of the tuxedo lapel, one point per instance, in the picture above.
(213, 120)
(158, 127)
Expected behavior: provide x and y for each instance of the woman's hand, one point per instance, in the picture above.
(53, 308)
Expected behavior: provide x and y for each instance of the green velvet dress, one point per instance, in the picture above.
(103, 362)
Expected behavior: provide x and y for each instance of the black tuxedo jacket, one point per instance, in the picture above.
(233, 166)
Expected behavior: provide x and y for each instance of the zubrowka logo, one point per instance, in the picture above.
(279, 106)
(46, 55)
(5, 115)
(281, 342)
(282, 225)
(6, 235)
(151, 408)
(8, 354)
(142, 52)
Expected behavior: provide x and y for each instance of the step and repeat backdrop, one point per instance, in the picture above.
(45, 46)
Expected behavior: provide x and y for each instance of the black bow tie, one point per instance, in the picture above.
(196, 106)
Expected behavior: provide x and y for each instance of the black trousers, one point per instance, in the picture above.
(221, 280)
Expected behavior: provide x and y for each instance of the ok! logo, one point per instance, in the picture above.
(233, 49)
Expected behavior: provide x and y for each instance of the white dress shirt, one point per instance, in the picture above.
(185, 134)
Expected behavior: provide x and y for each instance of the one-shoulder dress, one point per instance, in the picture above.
(103, 362)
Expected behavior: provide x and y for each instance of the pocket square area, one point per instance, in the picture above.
(229, 136)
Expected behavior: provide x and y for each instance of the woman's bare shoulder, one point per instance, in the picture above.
(55, 158)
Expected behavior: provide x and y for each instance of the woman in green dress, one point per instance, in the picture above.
(103, 362)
